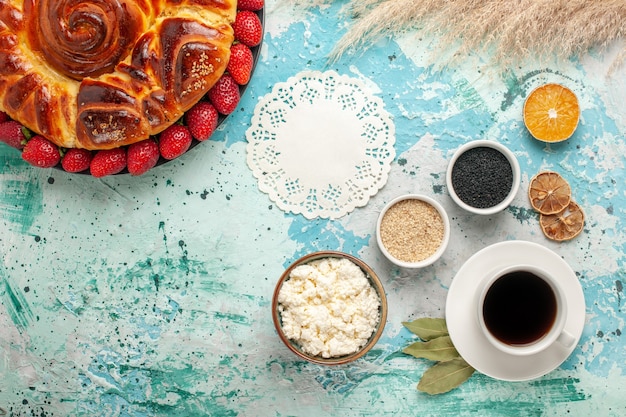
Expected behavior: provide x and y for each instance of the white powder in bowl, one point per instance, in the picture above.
(329, 307)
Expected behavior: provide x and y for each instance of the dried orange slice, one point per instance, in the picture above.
(549, 192)
(551, 113)
(564, 225)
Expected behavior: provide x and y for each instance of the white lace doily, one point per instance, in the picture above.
(320, 144)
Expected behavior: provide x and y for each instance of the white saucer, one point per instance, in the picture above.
(462, 316)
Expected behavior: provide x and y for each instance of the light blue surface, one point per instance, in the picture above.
(150, 296)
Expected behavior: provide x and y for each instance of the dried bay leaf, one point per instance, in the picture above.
(427, 328)
(439, 349)
(451, 370)
(445, 376)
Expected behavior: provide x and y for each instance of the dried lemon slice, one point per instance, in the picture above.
(549, 192)
(551, 113)
(564, 225)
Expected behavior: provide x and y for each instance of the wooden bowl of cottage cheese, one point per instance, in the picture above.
(329, 308)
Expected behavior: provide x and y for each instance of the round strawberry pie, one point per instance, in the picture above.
(103, 74)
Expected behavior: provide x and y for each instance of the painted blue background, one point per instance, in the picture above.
(150, 296)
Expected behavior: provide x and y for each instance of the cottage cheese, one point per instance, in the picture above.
(328, 307)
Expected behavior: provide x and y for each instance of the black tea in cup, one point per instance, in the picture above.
(519, 308)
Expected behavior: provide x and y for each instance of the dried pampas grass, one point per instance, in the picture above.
(512, 30)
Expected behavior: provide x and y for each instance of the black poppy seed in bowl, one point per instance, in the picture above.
(482, 177)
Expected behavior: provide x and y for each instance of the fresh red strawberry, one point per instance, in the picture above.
(142, 156)
(240, 64)
(174, 141)
(3, 117)
(12, 133)
(40, 152)
(201, 120)
(225, 94)
(248, 28)
(252, 5)
(108, 162)
(76, 160)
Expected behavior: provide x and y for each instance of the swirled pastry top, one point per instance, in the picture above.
(100, 74)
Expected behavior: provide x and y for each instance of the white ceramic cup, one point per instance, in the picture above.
(555, 333)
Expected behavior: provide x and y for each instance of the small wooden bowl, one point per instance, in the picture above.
(340, 360)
